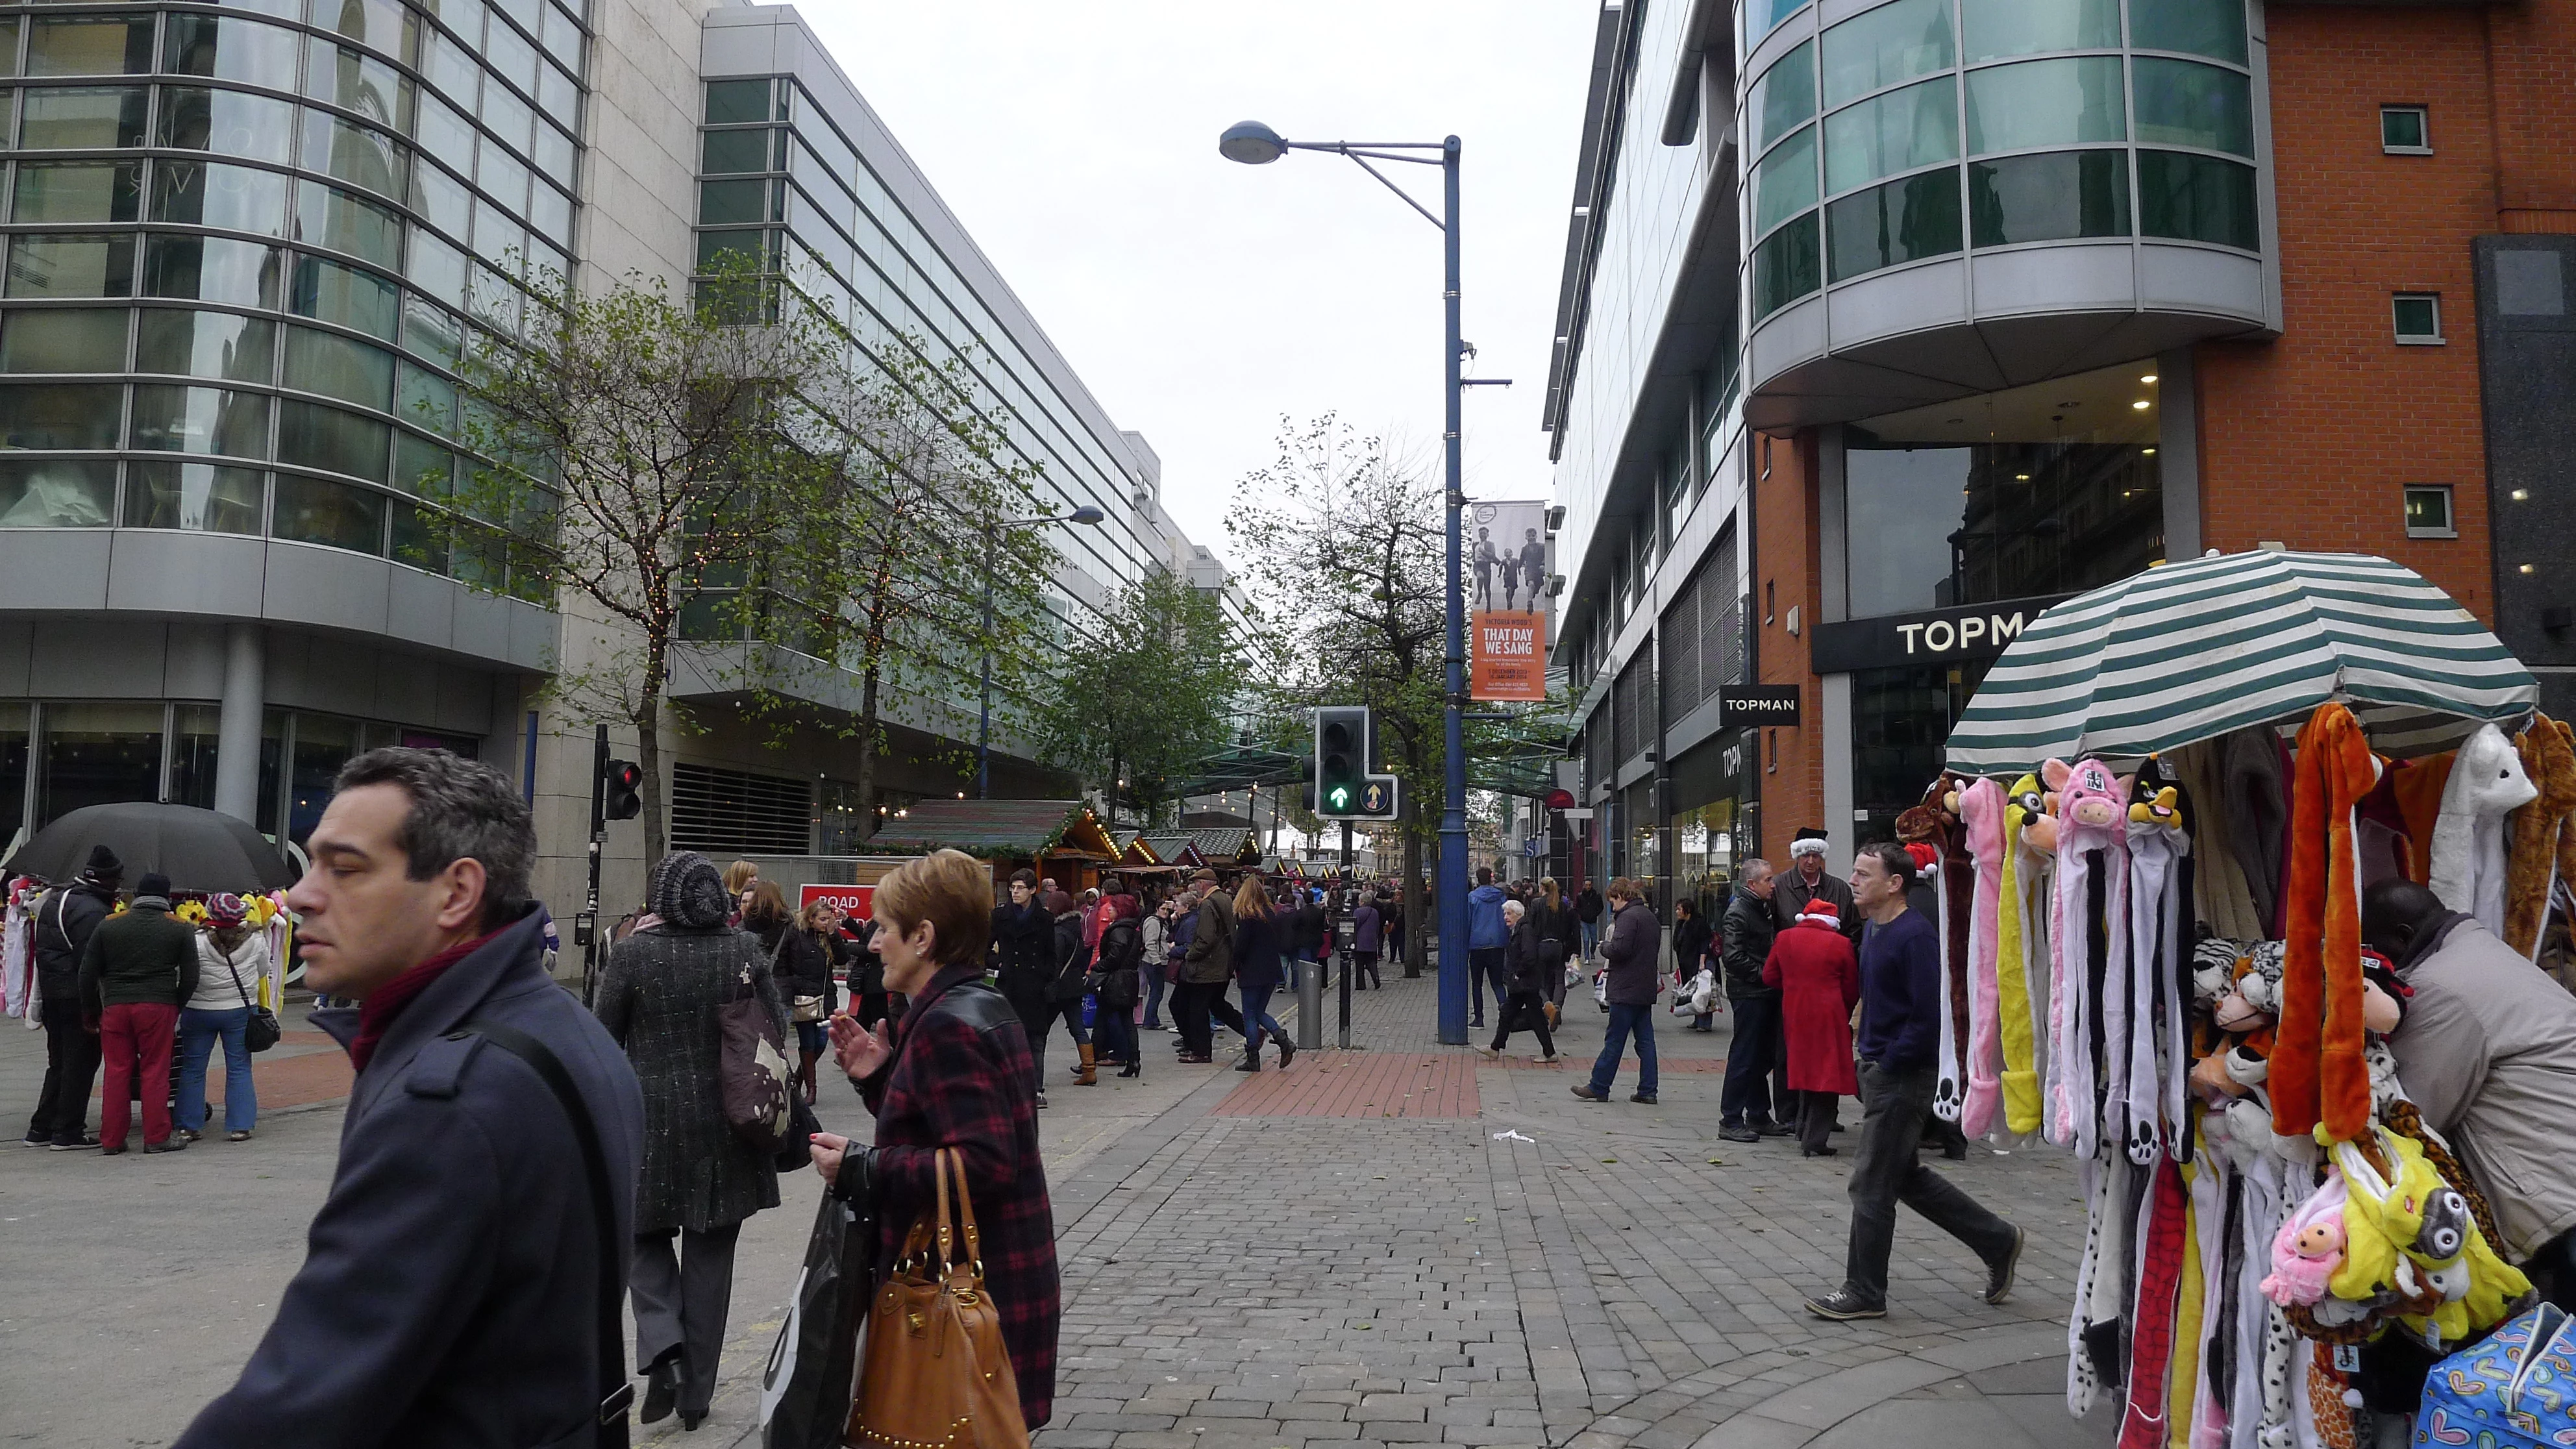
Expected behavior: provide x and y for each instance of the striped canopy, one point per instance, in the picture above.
(2192, 650)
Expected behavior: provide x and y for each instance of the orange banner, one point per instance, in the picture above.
(1507, 653)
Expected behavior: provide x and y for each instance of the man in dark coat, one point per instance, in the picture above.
(1587, 914)
(454, 1278)
(136, 972)
(1635, 940)
(1024, 959)
(64, 920)
(1809, 880)
(1748, 1102)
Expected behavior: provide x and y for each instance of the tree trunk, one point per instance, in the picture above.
(648, 758)
(868, 752)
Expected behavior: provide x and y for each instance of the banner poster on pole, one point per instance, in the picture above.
(1509, 555)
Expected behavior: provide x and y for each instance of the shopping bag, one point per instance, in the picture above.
(806, 1389)
(752, 1071)
(2512, 1391)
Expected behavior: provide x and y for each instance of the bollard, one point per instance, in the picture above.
(1310, 1006)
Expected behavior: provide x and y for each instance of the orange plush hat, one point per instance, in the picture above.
(2317, 1074)
(2532, 831)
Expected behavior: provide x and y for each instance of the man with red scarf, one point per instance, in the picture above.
(454, 1280)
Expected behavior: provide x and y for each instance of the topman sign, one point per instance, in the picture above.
(1934, 636)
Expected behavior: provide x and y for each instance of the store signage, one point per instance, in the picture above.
(853, 900)
(1934, 636)
(1758, 704)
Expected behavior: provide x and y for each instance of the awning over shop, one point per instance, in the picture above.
(1020, 828)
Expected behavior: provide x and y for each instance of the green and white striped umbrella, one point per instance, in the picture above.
(2192, 650)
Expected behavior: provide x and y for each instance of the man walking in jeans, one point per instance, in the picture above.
(1634, 939)
(1900, 1035)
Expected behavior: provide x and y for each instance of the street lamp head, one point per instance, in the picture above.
(1086, 514)
(1251, 143)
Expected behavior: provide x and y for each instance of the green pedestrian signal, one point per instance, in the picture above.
(1341, 758)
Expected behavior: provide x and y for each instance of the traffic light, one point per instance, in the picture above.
(622, 782)
(1341, 758)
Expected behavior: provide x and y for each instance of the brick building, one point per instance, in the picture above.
(1886, 323)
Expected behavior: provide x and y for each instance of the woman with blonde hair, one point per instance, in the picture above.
(738, 878)
(955, 1074)
(1257, 940)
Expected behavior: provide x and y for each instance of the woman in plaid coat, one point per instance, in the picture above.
(955, 1073)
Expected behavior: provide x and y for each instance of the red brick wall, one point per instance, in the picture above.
(1785, 575)
(2532, 48)
(2308, 439)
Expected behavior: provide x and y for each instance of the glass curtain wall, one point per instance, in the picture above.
(245, 249)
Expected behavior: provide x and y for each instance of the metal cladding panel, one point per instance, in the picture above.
(1788, 337)
(309, 584)
(422, 609)
(157, 572)
(1892, 304)
(54, 568)
(2200, 279)
(2056, 279)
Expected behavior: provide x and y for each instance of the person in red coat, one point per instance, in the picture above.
(1819, 980)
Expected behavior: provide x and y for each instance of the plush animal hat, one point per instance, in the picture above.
(2093, 813)
(2159, 920)
(2318, 1077)
(2029, 838)
(1981, 820)
(2487, 783)
(2533, 833)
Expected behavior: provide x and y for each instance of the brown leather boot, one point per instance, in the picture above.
(1090, 1068)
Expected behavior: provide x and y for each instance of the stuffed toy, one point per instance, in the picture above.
(1930, 833)
(2309, 1249)
(2317, 1076)
(2158, 901)
(2487, 783)
(2089, 955)
(2152, 1325)
(2017, 944)
(2532, 832)
(2387, 1216)
(1981, 827)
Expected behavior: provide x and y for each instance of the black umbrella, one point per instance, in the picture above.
(199, 850)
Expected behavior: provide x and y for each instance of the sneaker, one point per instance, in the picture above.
(36, 1139)
(1774, 1129)
(241, 1136)
(1738, 1132)
(1999, 1276)
(1488, 1053)
(103, 1152)
(190, 1133)
(1645, 1098)
(1549, 1059)
(1842, 1306)
(82, 1145)
(1821, 1151)
(1584, 1090)
(1042, 1101)
(175, 1144)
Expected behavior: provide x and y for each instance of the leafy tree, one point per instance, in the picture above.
(1152, 693)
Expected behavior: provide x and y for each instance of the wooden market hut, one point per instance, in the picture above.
(1059, 839)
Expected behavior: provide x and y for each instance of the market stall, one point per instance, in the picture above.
(2150, 848)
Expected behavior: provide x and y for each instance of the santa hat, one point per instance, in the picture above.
(1808, 842)
(1927, 859)
(1821, 912)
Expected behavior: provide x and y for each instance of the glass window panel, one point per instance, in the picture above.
(450, 66)
(200, 420)
(282, 9)
(1886, 45)
(737, 102)
(837, 159)
(1895, 132)
(425, 398)
(57, 493)
(99, 754)
(236, 198)
(8, 59)
(415, 541)
(359, 300)
(493, 298)
(222, 46)
(377, 24)
(1787, 265)
(63, 118)
(550, 211)
(1992, 29)
(512, 56)
(1902, 221)
(322, 745)
(722, 203)
(440, 198)
(206, 344)
(359, 155)
(77, 191)
(315, 436)
(423, 467)
(503, 178)
(2045, 198)
(554, 155)
(229, 123)
(356, 81)
(60, 415)
(1785, 95)
(205, 497)
(2401, 128)
(2198, 198)
(498, 239)
(55, 265)
(64, 339)
(2045, 103)
(192, 747)
(347, 222)
(340, 367)
(90, 47)
(1785, 183)
(736, 151)
(746, 249)
(558, 96)
(2198, 27)
(445, 134)
(340, 515)
(2184, 103)
(507, 116)
(432, 331)
(563, 37)
(213, 269)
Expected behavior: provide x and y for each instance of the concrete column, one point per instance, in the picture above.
(237, 728)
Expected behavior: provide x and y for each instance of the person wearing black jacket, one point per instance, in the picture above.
(1022, 957)
(1115, 978)
(1070, 962)
(1691, 939)
(1757, 1053)
(1530, 960)
(1587, 912)
(64, 920)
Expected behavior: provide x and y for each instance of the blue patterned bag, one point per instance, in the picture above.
(2515, 1390)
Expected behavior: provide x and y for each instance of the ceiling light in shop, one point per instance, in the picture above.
(2522, 495)
(2149, 379)
(2526, 568)
(2140, 404)
(2021, 477)
(2149, 452)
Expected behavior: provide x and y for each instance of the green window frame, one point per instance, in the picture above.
(2214, 28)
(1894, 131)
(1996, 29)
(1881, 47)
(1906, 220)
(2197, 198)
(1785, 182)
(1785, 96)
(2072, 101)
(2050, 196)
(1787, 265)
(733, 152)
(335, 515)
(2185, 103)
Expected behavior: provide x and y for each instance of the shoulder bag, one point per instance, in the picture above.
(934, 1371)
(262, 1031)
(752, 1067)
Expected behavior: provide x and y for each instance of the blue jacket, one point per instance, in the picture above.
(1900, 994)
(1485, 928)
(450, 1288)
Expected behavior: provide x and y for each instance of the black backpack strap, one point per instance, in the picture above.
(616, 1394)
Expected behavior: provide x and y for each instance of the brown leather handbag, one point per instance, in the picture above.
(934, 1374)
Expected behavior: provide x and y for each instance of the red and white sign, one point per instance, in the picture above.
(852, 899)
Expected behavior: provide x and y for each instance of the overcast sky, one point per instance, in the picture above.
(1200, 299)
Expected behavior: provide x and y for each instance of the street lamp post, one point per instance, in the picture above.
(1086, 514)
(1255, 144)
